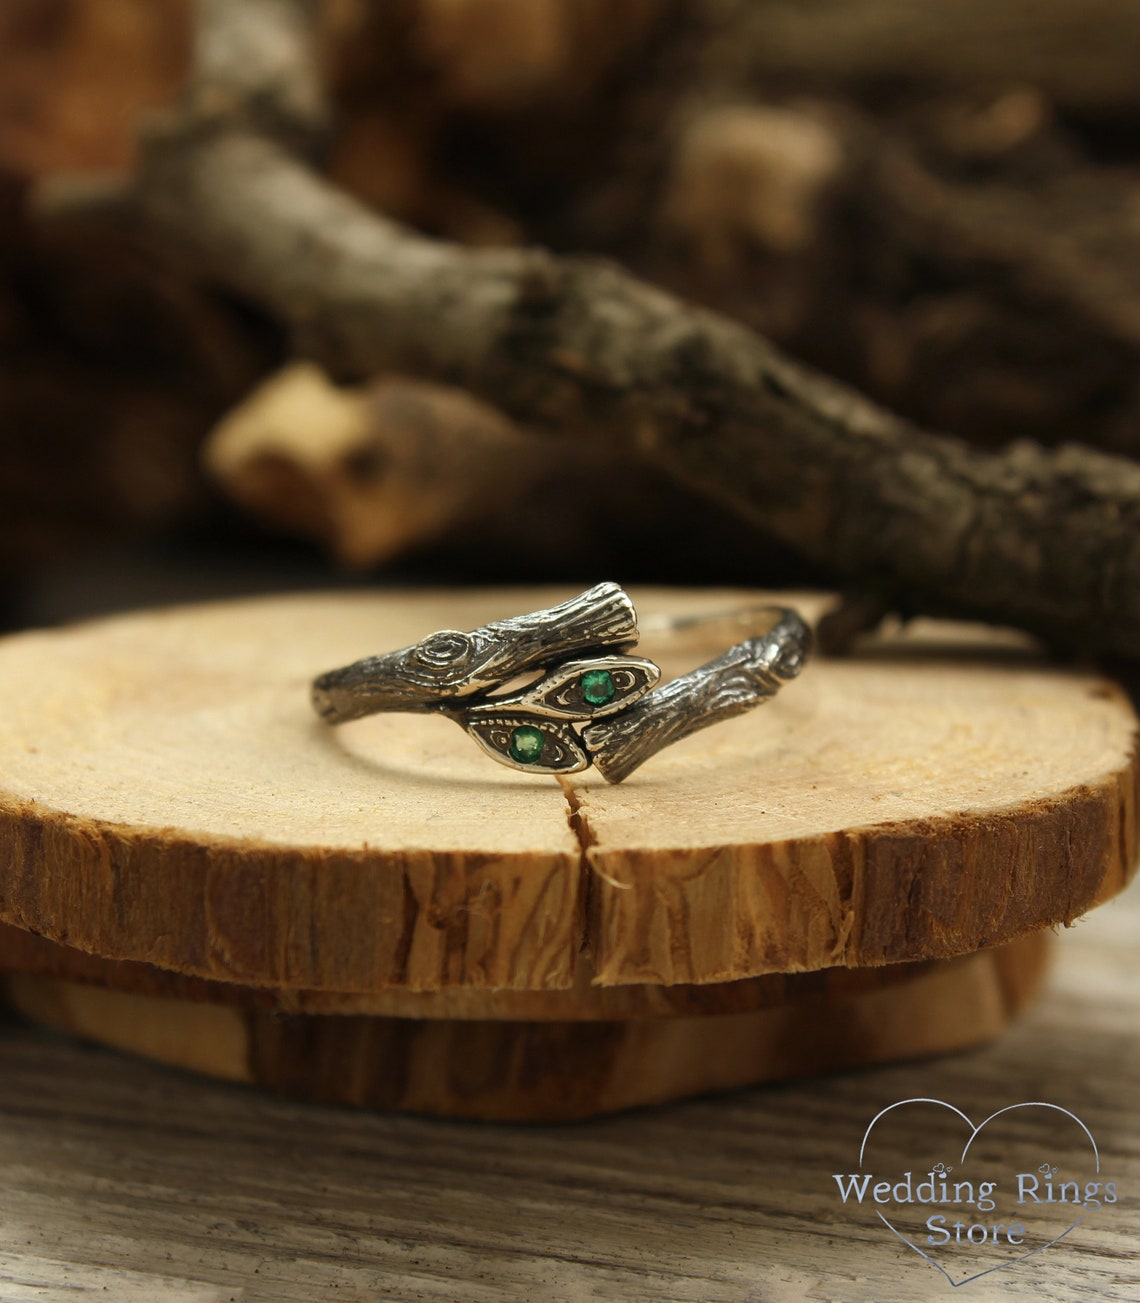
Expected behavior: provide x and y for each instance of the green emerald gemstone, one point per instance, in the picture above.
(598, 687)
(526, 744)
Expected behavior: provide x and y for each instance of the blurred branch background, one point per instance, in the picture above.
(936, 205)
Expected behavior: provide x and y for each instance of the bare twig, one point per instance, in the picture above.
(1082, 56)
(1047, 540)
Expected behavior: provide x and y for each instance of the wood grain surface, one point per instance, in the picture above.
(24, 952)
(551, 1070)
(167, 797)
(134, 1183)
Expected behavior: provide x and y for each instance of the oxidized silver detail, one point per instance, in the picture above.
(560, 693)
(581, 646)
(563, 752)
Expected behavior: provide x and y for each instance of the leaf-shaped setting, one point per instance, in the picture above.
(584, 689)
(531, 743)
(599, 686)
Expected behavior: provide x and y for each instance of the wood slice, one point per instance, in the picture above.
(22, 952)
(167, 797)
(550, 1071)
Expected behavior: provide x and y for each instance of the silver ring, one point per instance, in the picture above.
(587, 702)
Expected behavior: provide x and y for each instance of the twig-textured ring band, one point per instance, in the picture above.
(592, 704)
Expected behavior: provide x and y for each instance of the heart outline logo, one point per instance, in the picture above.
(974, 1132)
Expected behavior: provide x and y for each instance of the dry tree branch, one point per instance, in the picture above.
(1083, 56)
(1046, 540)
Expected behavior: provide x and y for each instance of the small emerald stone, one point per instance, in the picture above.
(598, 687)
(526, 744)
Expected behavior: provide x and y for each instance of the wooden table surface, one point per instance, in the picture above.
(130, 1182)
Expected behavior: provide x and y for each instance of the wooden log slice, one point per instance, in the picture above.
(550, 1071)
(22, 952)
(168, 797)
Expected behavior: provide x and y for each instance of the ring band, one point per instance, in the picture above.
(593, 702)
